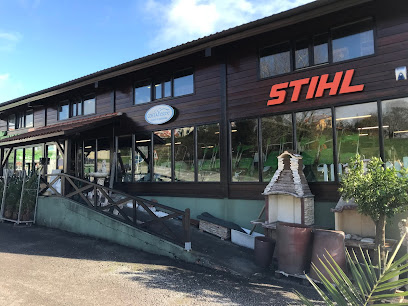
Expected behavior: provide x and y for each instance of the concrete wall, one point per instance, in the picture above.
(67, 215)
(243, 211)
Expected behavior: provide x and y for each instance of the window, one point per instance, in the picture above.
(12, 122)
(184, 154)
(73, 109)
(347, 42)
(183, 83)
(76, 109)
(208, 153)
(244, 150)
(29, 118)
(143, 93)
(158, 91)
(63, 111)
(320, 49)
(276, 138)
(395, 128)
(357, 132)
(275, 60)
(302, 54)
(162, 156)
(89, 106)
(20, 120)
(167, 89)
(315, 143)
(353, 41)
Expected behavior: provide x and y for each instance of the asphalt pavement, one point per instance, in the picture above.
(42, 266)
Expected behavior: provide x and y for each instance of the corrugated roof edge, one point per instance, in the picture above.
(253, 24)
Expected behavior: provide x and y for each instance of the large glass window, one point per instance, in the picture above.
(320, 49)
(124, 159)
(395, 127)
(275, 60)
(245, 157)
(357, 132)
(28, 162)
(352, 41)
(142, 157)
(103, 156)
(183, 83)
(10, 161)
(315, 144)
(143, 92)
(184, 154)
(89, 106)
(37, 155)
(63, 111)
(19, 159)
(276, 138)
(89, 158)
(52, 159)
(162, 156)
(208, 153)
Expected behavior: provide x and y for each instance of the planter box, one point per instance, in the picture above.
(244, 239)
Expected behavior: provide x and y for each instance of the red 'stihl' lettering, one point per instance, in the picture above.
(279, 91)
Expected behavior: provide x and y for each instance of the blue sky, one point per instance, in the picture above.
(47, 42)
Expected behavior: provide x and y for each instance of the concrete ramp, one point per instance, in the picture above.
(67, 215)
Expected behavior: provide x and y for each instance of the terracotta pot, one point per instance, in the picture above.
(328, 241)
(294, 247)
(264, 248)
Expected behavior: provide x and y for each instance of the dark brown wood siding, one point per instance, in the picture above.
(248, 95)
(203, 106)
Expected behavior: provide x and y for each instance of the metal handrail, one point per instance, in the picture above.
(107, 192)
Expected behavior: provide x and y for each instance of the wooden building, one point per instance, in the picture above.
(326, 80)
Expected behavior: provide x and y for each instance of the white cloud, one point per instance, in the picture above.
(9, 40)
(184, 20)
(10, 88)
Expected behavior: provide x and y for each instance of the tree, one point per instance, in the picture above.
(378, 191)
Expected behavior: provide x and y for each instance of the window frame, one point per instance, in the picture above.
(76, 103)
(162, 81)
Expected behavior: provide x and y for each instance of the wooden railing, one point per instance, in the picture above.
(148, 215)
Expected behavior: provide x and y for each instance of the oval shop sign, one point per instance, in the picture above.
(159, 114)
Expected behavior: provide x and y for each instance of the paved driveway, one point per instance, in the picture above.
(41, 266)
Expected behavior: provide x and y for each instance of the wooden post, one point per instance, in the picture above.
(67, 166)
(186, 228)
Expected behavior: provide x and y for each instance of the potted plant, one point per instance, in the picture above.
(379, 192)
(366, 287)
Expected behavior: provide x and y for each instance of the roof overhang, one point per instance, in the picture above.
(50, 133)
(283, 19)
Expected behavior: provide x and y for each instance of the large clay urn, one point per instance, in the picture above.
(294, 247)
(324, 242)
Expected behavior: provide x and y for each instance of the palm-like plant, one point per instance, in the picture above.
(370, 284)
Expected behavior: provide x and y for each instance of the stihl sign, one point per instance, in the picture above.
(279, 91)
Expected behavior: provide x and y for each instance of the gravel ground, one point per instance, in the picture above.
(42, 266)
